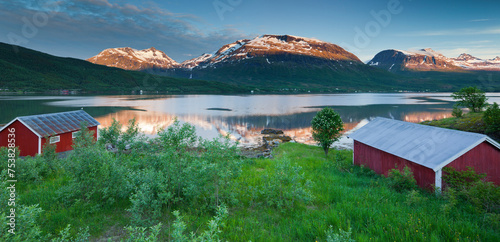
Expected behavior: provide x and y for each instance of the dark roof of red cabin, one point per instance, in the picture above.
(45, 125)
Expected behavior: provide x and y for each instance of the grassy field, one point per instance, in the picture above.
(470, 122)
(322, 192)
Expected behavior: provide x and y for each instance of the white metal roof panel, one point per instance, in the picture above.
(428, 146)
(45, 125)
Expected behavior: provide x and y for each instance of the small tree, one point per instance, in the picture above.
(470, 97)
(326, 127)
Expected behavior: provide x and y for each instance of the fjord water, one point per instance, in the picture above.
(241, 116)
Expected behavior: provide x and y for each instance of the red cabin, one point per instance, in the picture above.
(384, 144)
(31, 133)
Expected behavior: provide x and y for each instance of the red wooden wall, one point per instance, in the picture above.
(26, 140)
(381, 162)
(66, 140)
(485, 158)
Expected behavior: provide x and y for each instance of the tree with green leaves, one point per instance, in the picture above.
(326, 127)
(471, 97)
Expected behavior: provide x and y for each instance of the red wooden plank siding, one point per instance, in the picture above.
(26, 140)
(485, 158)
(381, 162)
(66, 140)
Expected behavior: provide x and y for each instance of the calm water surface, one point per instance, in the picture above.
(241, 116)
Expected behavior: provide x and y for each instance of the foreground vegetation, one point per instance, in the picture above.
(165, 188)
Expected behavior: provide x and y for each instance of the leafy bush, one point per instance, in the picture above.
(27, 228)
(326, 127)
(140, 234)
(177, 136)
(50, 156)
(414, 197)
(485, 196)
(402, 180)
(151, 193)
(457, 112)
(130, 139)
(492, 118)
(285, 186)
(213, 172)
(95, 175)
(65, 236)
(32, 169)
(461, 180)
(212, 234)
(469, 186)
(342, 236)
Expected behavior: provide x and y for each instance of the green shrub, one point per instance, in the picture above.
(177, 136)
(151, 193)
(285, 186)
(414, 197)
(461, 180)
(212, 234)
(65, 236)
(32, 169)
(140, 234)
(50, 156)
(27, 228)
(469, 186)
(128, 140)
(492, 118)
(485, 196)
(402, 180)
(212, 174)
(95, 175)
(457, 112)
(342, 236)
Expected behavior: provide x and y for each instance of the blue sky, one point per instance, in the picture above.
(187, 28)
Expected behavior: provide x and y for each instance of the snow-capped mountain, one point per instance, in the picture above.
(272, 45)
(470, 62)
(430, 60)
(196, 61)
(132, 59)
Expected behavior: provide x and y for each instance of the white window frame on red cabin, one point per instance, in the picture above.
(54, 139)
(75, 134)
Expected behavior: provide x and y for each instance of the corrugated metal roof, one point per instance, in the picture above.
(428, 146)
(57, 123)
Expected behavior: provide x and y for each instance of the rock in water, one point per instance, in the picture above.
(271, 131)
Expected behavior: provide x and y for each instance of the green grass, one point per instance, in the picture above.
(345, 196)
(470, 122)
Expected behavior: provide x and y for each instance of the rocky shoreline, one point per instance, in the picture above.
(271, 138)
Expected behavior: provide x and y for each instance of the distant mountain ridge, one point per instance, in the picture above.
(265, 45)
(430, 60)
(131, 59)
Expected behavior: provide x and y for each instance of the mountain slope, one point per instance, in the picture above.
(274, 45)
(22, 69)
(430, 60)
(277, 62)
(132, 59)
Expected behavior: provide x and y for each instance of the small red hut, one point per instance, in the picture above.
(384, 144)
(32, 132)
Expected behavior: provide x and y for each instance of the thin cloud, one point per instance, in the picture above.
(480, 20)
(456, 32)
